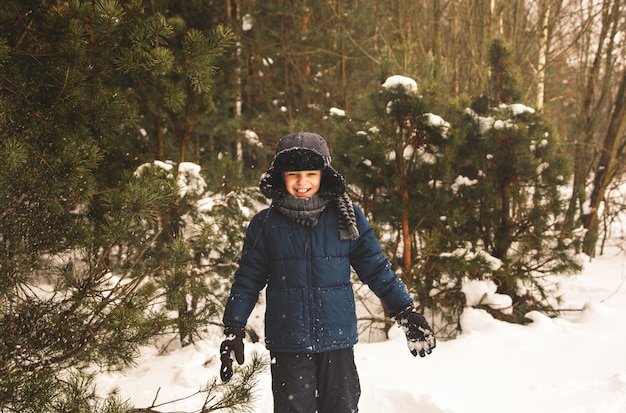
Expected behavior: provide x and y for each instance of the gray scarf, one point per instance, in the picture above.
(306, 212)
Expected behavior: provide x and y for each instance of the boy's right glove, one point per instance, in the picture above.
(419, 336)
(232, 344)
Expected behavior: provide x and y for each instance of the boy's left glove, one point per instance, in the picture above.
(419, 336)
(232, 344)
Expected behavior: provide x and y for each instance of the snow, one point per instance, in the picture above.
(484, 292)
(518, 108)
(247, 23)
(189, 179)
(438, 122)
(252, 138)
(409, 85)
(461, 181)
(571, 364)
(337, 112)
(488, 122)
(166, 166)
(503, 124)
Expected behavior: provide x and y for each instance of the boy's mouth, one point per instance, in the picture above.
(301, 191)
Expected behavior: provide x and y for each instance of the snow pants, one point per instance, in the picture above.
(315, 382)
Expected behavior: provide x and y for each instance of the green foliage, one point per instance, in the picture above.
(87, 249)
(157, 249)
(504, 79)
(482, 196)
(74, 394)
(507, 203)
(396, 157)
(517, 210)
(216, 232)
(95, 309)
(169, 76)
(238, 394)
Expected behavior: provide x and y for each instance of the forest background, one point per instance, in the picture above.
(133, 134)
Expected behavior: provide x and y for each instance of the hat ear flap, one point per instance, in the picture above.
(333, 184)
(272, 184)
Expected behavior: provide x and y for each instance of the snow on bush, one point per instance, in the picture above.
(409, 85)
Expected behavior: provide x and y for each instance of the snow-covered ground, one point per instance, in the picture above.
(575, 363)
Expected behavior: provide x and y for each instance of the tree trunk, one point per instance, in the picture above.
(543, 58)
(404, 216)
(406, 238)
(591, 116)
(608, 166)
(159, 130)
(437, 44)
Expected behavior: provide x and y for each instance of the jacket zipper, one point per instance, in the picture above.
(311, 295)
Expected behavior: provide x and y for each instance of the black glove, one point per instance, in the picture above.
(232, 344)
(419, 336)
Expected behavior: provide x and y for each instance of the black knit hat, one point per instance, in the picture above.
(301, 151)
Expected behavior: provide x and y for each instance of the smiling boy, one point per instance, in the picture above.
(302, 248)
(302, 184)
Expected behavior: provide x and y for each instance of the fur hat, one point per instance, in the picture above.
(302, 151)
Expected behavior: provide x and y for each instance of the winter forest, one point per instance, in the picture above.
(484, 139)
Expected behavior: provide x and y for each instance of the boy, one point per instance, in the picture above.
(301, 248)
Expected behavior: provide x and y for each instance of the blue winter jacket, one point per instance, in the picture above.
(310, 305)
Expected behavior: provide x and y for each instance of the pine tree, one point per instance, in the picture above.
(396, 161)
(82, 255)
(482, 196)
(170, 71)
(514, 209)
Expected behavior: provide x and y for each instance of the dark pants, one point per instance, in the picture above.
(317, 382)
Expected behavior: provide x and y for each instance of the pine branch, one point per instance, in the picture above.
(237, 394)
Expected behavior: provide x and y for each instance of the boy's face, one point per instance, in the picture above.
(303, 184)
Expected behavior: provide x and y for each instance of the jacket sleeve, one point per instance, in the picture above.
(250, 277)
(373, 269)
